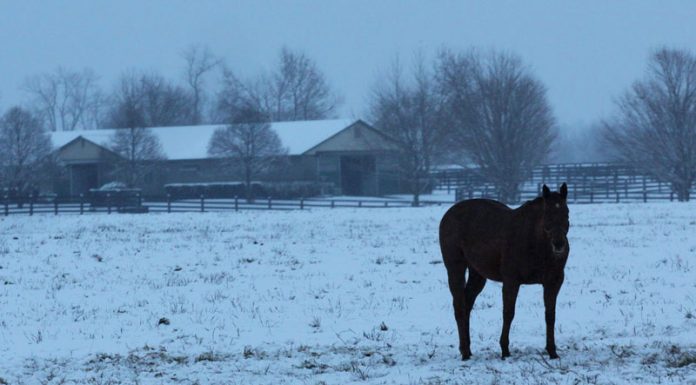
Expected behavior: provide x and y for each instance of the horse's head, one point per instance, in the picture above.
(555, 219)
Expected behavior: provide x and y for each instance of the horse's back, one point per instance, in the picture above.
(478, 211)
(475, 230)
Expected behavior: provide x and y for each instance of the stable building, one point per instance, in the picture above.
(350, 155)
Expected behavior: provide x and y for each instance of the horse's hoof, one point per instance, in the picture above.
(466, 357)
(505, 355)
(552, 352)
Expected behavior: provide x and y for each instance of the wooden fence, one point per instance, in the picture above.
(582, 194)
(587, 183)
(82, 205)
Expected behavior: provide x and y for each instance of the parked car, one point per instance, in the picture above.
(119, 196)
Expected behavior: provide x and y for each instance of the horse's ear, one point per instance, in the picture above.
(545, 191)
(564, 190)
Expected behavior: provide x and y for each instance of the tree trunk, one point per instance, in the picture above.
(684, 194)
(682, 188)
(416, 199)
(415, 185)
(507, 192)
(247, 181)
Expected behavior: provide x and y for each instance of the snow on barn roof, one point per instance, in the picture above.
(191, 142)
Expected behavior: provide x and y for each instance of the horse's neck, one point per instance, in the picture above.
(531, 214)
(531, 210)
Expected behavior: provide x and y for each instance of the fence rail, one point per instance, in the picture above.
(82, 205)
(580, 196)
(587, 183)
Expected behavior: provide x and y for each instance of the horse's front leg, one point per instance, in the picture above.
(510, 290)
(551, 290)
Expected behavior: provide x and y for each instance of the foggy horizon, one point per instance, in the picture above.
(585, 54)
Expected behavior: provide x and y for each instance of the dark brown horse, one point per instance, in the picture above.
(527, 245)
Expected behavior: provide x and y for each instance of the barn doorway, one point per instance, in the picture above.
(358, 175)
(83, 177)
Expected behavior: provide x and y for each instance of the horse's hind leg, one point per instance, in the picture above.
(456, 277)
(474, 284)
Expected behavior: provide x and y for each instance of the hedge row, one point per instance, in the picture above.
(276, 190)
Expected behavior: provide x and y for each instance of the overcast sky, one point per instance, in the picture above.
(586, 52)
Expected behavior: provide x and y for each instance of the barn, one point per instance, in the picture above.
(348, 154)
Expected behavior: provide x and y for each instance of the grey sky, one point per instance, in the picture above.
(586, 52)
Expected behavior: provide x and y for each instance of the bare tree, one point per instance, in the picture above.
(67, 100)
(159, 102)
(500, 116)
(24, 148)
(299, 89)
(655, 126)
(199, 61)
(233, 96)
(411, 113)
(296, 90)
(136, 144)
(249, 141)
(237, 97)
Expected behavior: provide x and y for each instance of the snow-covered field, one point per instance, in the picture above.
(333, 297)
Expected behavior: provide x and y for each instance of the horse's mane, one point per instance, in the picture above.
(532, 202)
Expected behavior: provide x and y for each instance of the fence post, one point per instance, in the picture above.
(626, 188)
(645, 196)
(31, 205)
(671, 197)
(169, 203)
(591, 196)
(332, 203)
(359, 203)
(55, 206)
(270, 205)
(7, 206)
(617, 197)
(301, 203)
(202, 203)
(575, 193)
(108, 203)
(236, 203)
(386, 203)
(140, 199)
(644, 188)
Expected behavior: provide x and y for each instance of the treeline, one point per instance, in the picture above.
(482, 108)
(67, 99)
(489, 110)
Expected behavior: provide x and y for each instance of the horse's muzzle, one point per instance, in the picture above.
(558, 248)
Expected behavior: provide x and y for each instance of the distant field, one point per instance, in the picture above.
(333, 297)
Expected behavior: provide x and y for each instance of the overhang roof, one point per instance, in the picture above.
(191, 142)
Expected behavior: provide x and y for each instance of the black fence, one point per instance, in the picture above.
(650, 192)
(587, 183)
(144, 204)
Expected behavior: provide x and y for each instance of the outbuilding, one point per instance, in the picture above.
(348, 154)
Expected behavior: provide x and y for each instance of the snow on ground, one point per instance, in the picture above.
(325, 296)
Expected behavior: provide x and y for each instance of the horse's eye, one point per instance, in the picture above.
(558, 206)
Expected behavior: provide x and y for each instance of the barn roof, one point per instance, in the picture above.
(191, 142)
